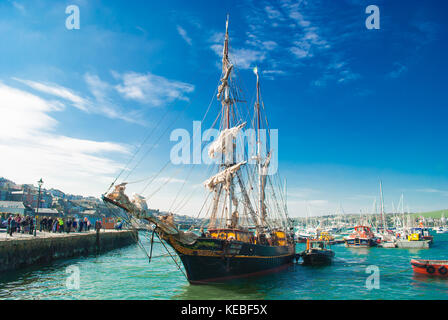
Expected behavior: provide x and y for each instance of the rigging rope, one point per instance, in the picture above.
(172, 256)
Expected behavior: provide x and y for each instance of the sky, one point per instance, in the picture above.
(352, 105)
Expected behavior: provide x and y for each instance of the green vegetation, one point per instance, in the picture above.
(431, 214)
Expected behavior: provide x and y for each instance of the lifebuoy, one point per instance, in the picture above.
(430, 269)
(443, 270)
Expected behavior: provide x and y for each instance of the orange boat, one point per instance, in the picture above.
(430, 267)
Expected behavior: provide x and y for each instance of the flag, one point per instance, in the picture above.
(256, 70)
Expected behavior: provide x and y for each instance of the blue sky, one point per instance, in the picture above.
(352, 105)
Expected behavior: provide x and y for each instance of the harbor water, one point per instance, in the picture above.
(125, 274)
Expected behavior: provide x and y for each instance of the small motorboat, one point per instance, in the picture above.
(441, 230)
(430, 267)
(423, 234)
(325, 236)
(363, 237)
(317, 253)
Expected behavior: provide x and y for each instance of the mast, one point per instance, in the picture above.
(226, 69)
(226, 104)
(260, 182)
(229, 178)
(382, 206)
(286, 197)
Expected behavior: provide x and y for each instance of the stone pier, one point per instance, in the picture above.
(22, 250)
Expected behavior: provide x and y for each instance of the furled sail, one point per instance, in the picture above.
(140, 202)
(264, 172)
(224, 81)
(138, 208)
(224, 177)
(121, 198)
(224, 143)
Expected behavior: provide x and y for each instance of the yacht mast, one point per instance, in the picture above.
(382, 206)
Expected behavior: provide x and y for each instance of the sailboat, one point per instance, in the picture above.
(386, 236)
(442, 228)
(246, 235)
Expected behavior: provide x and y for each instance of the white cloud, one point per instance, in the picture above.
(152, 89)
(399, 69)
(242, 58)
(269, 74)
(347, 75)
(170, 180)
(217, 37)
(19, 6)
(97, 86)
(269, 45)
(337, 71)
(104, 104)
(58, 91)
(99, 104)
(273, 13)
(184, 35)
(302, 50)
(32, 149)
(431, 190)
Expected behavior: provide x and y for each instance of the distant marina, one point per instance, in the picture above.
(330, 254)
(345, 279)
(399, 246)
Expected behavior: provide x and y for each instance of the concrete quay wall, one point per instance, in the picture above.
(19, 253)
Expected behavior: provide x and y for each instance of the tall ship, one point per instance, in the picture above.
(246, 229)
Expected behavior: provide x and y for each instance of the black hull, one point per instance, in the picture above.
(317, 258)
(217, 260)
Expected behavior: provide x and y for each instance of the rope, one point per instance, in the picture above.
(127, 220)
(181, 188)
(155, 176)
(152, 242)
(172, 256)
(137, 151)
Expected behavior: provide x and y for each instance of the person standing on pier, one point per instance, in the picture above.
(98, 226)
(10, 225)
(17, 223)
(55, 225)
(43, 224)
(61, 225)
(69, 224)
(49, 224)
(31, 225)
(23, 225)
(85, 223)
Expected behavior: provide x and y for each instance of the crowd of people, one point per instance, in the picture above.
(68, 225)
(19, 224)
(27, 224)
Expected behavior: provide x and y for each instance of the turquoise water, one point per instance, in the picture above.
(126, 274)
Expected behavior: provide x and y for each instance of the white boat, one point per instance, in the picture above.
(441, 230)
